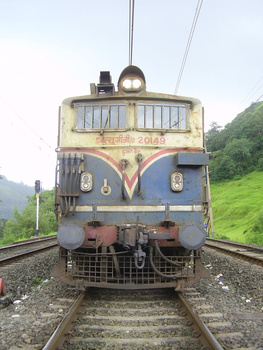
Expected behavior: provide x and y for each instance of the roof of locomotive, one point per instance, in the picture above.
(131, 86)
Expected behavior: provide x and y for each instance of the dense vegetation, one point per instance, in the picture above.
(235, 170)
(237, 149)
(23, 225)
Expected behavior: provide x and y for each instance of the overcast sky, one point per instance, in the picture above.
(54, 49)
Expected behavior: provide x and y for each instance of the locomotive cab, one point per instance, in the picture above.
(130, 187)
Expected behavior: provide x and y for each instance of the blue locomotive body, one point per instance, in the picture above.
(130, 187)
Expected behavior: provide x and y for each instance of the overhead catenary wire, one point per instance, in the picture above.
(256, 101)
(196, 16)
(253, 103)
(249, 96)
(256, 92)
(131, 27)
(259, 98)
(26, 123)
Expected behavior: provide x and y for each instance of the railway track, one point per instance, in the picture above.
(110, 319)
(22, 249)
(239, 250)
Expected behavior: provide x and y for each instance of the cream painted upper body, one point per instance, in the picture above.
(71, 137)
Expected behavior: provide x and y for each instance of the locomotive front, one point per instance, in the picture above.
(130, 187)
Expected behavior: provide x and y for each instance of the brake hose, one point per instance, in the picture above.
(164, 257)
(157, 271)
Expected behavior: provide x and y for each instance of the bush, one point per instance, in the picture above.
(260, 164)
(222, 236)
(255, 235)
(23, 225)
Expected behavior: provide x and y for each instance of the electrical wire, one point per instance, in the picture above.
(197, 12)
(28, 125)
(259, 98)
(253, 103)
(131, 26)
(248, 95)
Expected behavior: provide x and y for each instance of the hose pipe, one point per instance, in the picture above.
(123, 163)
(65, 185)
(76, 180)
(62, 179)
(157, 271)
(139, 179)
(139, 161)
(61, 187)
(71, 167)
(164, 257)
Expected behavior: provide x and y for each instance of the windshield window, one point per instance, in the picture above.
(101, 116)
(162, 116)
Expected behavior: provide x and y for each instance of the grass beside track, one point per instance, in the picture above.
(236, 206)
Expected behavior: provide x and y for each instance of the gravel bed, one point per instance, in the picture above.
(235, 288)
(29, 322)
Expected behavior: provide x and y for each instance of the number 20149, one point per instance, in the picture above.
(149, 140)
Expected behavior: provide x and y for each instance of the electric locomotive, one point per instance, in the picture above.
(130, 191)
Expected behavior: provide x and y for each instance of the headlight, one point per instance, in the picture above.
(177, 182)
(132, 80)
(86, 182)
(127, 83)
(131, 84)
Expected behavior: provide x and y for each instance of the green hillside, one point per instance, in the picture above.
(237, 149)
(236, 174)
(237, 205)
(13, 195)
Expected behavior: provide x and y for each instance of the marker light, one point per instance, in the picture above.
(86, 182)
(177, 182)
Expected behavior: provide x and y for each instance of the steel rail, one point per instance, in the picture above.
(10, 258)
(247, 255)
(240, 245)
(207, 337)
(27, 242)
(57, 337)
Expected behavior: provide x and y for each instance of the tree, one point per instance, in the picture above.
(239, 150)
(214, 128)
(212, 134)
(241, 141)
(223, 168)
(24, 224)
(2, 227)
